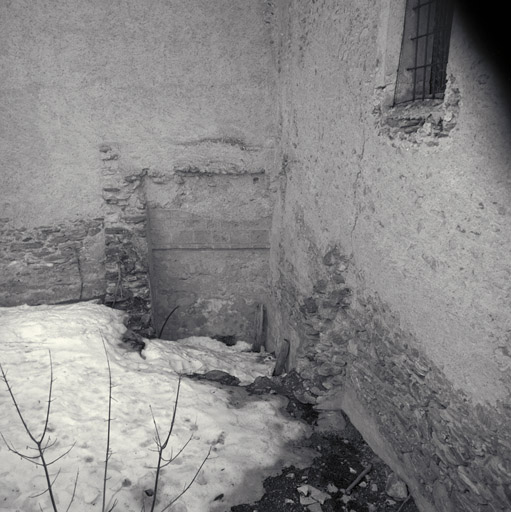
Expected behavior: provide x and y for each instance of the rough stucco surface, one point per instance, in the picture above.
(390, 248)
(153, 78)
(209, 251)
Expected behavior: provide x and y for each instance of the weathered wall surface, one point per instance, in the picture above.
(390, 249)
(153, 79)
(60, 261)
(209, 230)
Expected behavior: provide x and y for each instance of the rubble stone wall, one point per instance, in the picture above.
(389, 249)
(176, 87)
(126, 254)
(58, 263)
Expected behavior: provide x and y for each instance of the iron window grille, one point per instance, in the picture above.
(424, 50)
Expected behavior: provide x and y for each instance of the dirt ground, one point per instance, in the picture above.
(333, 482)
(342, 459)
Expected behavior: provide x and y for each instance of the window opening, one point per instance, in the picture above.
(424, 50)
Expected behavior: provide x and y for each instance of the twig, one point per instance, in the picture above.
(74, 491)
(41, 447)
(404, 503)
(109, 421)
(358, 479)
(165, 323)
(190, 484)
(173, 458)
(161, 446)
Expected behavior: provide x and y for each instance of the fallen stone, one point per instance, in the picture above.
(329, 421)
(307, 500)
(318, 495)
(303, 490)
(331, 488)
(330, 402)
(396, 488)
(220, 376)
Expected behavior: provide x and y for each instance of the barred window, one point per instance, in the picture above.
(424, 50)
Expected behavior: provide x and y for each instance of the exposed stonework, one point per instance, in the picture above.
(424, 122)
(389, 243)
(459, 453)
(206, 246)
(51, 264)
(209, 242)
(127, 279)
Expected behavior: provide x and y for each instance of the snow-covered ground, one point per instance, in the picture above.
(249, 436)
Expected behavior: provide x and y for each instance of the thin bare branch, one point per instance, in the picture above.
(161, 447)
(46, 490)
(38, 442)
(63, 455)
(48, 482)
(14, 401)
(172, 459)
(109, 421)
(190, 484)
(404, 503)
(157, 437)
(74, 491)
(173, 413)
(113, 506)
(39, 494)
(49, 400)
(166, 320)
(22, 455)
(48, 444)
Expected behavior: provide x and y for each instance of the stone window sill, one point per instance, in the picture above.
(420, 122)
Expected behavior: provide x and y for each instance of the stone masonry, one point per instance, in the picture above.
(127, 280)
(459, 454)
(51, 264)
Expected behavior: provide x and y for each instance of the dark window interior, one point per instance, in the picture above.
(424, 50)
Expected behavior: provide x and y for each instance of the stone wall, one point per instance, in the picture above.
(210, 218)
(389, 267)
(179, 86)
(58, 263)
(126, 254)
(195, 236)
(354, 356)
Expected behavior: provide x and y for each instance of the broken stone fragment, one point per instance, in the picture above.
(396, 488)
(331, 488)
(330, 421)
(307, 500)
(310, 495)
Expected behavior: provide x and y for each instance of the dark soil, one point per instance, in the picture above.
(331, 483)
(328, 485)
(343, 457)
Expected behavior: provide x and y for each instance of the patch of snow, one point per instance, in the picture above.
(249, 436)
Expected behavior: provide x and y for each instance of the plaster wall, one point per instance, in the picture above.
(209, 238)
(153, 79)
(390, 247)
